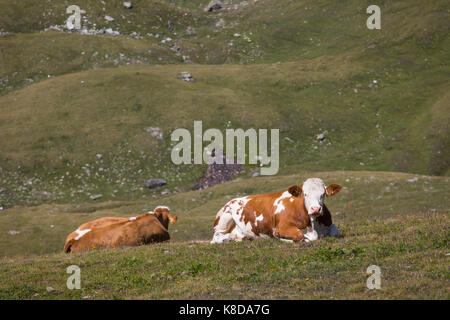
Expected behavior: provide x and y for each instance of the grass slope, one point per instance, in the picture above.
(304, 67)
(410, 250)
(367, 196)
(386, 220)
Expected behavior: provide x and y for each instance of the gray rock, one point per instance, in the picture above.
(96, 196)
(127, 5)
(321, 137)
(109, 18)
(170, 26)
(166, 191)
(154, 183)
(49, 289)
(415, 179)
(214, 5)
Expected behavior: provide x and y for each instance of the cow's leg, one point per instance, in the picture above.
(311, 234)
(289, 232)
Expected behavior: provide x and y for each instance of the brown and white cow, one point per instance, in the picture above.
(110, 232)
(293, 215)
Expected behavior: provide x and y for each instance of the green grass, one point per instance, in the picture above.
(371, 196)
(303, 67)
(413, 263)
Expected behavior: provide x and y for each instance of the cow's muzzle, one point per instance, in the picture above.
(316, 211)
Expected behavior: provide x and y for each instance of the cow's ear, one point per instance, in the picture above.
(333, 188)
(295, 190)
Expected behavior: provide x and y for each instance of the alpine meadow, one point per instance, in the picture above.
(86, 122)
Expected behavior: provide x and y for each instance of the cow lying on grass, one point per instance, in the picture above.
(110, 232)
(294, 215)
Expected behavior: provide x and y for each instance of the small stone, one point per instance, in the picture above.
(154, 183)
(50, 289)
(99, 156)
(166, 191)
(127, 5)
(13, 232)
(321, 137)
(415, 179)
(109, 18)
(96, 196)
(170, 26)
(213, 6)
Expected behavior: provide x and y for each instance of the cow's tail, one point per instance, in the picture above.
(223, 225)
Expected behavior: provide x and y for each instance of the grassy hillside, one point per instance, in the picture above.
(386, 220)
(366, 196)
(380, 95)
(75, 113)
(77, 116)
(410, 250)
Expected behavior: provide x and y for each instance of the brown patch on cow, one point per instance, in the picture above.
(216, 221)
(230, 226)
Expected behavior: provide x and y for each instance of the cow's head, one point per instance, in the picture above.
(164, 216)
(314, 191)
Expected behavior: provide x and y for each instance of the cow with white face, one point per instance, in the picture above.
(296, 214)
(314, 192)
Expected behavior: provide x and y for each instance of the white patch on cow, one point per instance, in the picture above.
(291, 200)
(81, 233)
(150, 212)
(314, 191)
(162, 207)
(310, 233)
(132, 218)
(278, 203)
(259, 218)
(232, 211)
